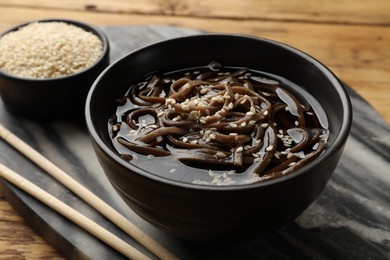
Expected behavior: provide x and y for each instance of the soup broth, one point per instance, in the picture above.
(218, 125)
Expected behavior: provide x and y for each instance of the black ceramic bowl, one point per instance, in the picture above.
(52, 98)
(218, 212)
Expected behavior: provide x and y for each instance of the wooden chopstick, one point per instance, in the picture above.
(73, 215)
(89, 197)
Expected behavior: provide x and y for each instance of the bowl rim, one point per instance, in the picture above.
(338, 143)
(85, 26)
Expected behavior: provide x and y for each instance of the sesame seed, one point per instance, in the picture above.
(265, 112)
(252, 122)
(185, 139)
(243, 124)
(250, 113)
(239, 149)
(185, 107)
(194, 142)
(269, 148)
(204, 91)
(220, 154)
(68, 50)
(233, 134)
(233, 125)
(264, 125)
(212, 136)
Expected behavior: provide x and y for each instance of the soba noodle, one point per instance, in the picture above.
(228, 125)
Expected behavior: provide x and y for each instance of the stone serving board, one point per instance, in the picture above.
(350, 219)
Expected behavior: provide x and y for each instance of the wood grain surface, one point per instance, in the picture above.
(352, 37)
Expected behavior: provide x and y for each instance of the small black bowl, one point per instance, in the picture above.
(215, 213)
(52, 98)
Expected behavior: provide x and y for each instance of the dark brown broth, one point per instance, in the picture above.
(218, 125)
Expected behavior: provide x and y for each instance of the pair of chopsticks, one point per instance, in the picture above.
(89, 197)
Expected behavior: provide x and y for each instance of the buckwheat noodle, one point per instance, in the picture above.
(215, 117)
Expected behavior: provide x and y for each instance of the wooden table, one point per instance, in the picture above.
(352, 37)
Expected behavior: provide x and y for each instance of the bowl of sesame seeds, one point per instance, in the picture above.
(218, 137)
(47, 67)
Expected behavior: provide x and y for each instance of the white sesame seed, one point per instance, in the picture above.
(240, 149)
(185, 107)
(212, 136)
(233, 134)
(252, 122)
(194, 142)
(68, 50)
(185, 139)
(220, 154)
(269, 148)
(243, 124)
(264, 125)
(265, 112)
(233, 125)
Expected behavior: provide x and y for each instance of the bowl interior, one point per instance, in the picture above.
(229, 50)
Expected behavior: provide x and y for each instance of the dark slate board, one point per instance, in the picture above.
(350, 220)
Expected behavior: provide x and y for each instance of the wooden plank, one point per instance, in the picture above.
(331, 11)
(22, 242)
(358, 54)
